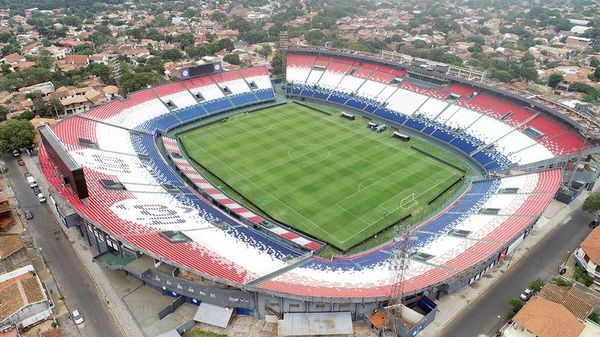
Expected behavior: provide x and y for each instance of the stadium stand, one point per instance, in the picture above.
(135, 196)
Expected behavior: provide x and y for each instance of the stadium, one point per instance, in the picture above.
(304, 193)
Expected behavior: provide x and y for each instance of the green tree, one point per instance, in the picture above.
(45, 60)
(277, 63)
(3, 112)
(265, 51)
(536, 285)
(555, 79)
(594, 62)
(171, 55)
(502, 75)
(15, 134)
(226, 44)
(516, 305)
(26, 115)
(232, 59)
(529, 74)
(592, 203)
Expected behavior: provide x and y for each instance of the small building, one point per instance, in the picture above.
(587, 255)
(555, 312)
(6, 219)
(23, 301)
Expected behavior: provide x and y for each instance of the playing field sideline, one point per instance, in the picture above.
(329, 177)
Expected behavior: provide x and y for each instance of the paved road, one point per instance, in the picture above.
(73, 280)
(543, 260)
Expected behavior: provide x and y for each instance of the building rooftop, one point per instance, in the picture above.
(545, 318)
(591, 246)
(577, 301)
(17, 289)
(10, 244)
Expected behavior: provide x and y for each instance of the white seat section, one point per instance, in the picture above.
(480, 225)
(209, 92)
(138, 114)
(236, 86)
(314, 76)
(350, 84)
(262, 82)
(531, 154)
(448, 113)
(297, 75)
(405, 102)
(115, 139)
(432, 108)
(463, 118)
(370, 89)
(330, 79)
(386, 93)
(446, 248)
(514, 142)
(524, 183)
(182, 99)
(506, 203)
(489, 129)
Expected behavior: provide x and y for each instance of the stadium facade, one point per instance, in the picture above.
(147, 210)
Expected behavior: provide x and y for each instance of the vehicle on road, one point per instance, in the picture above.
(526, 294)
(16, 153)
(28, 214)
(594, 223)
(77, 317)
(36, 190)
(21, 162)
(41, 198)
(31, 181)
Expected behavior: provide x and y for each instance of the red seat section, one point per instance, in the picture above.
(168, 89)
(556, 138)
(299, 60)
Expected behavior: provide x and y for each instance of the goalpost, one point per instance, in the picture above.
(411, 198)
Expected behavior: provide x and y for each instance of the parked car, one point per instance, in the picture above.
(36, 190)
(41, 198)
(594, 223)
(27, 174)
(77, 317)
(31, 181)
(526, 294)
(28, 214)
(21, 162)
(16, 153)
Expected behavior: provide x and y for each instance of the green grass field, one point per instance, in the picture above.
(329, 177)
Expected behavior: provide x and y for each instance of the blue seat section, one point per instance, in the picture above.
(320, 94)
(243, 99)
(190, 113)
(162, 123)
(218, 105)
(294, 90)
(356, 103)
(389, 115)
(429, 130)
(337, 98)
(370, 108)
(414, 124)
(484, 186)
(444, 136)
(463, 145)
(265, 94)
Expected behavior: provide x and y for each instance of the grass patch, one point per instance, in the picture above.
(202, 333)
(331, 178)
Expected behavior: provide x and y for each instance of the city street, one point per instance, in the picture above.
(485, 315)
(74, 282)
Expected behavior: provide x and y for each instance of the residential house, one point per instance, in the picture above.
(578, 43)
(6, 218)
(555, 312)
(587, 255)
(71, 62)
(23, 300)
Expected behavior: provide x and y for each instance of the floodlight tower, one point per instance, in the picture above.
(283, 45)
(399, 264)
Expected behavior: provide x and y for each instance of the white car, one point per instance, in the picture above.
(77, 318)
(41, 198)
(526, 294)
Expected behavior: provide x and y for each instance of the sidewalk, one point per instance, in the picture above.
(121, 314)
(449, 307)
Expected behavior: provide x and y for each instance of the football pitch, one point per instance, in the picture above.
(329, 177)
